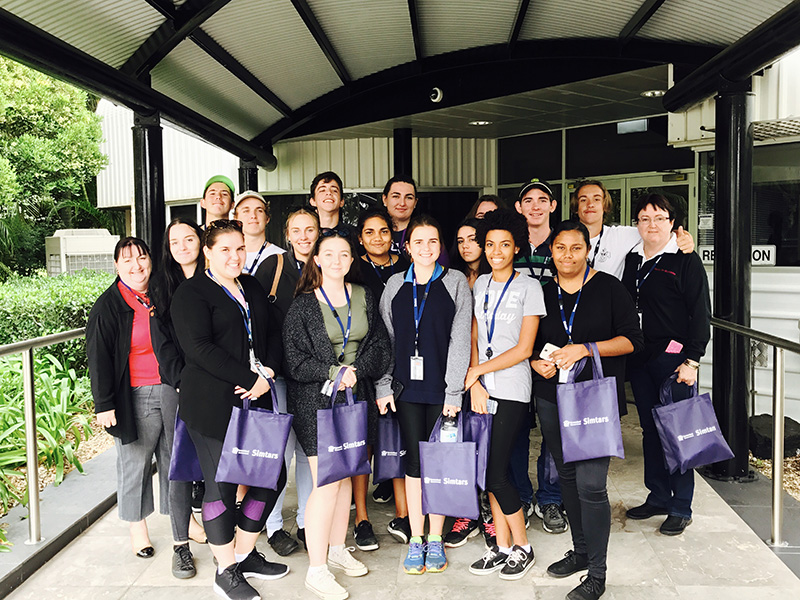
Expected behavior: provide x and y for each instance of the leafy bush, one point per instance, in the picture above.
(34, 306)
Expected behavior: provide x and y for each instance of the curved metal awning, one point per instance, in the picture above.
(245, 74)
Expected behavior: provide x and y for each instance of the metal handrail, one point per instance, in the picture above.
(780, 346)
(31, 445)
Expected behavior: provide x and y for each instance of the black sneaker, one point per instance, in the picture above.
(517, 564)
(255, 565)
(183, 562)
(590, 588)
(282, 543)
(462, 530)
(400, 529)
(674, 525)
(384, 492)
(232, 585)
(489, 533)
(526, 513)
(645, 511)
(365, 537)
(552, 516)
(301, 535)
(571, 563)
(198, 491)
(491, 561)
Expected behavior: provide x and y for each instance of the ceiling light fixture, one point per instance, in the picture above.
(480, 123)
(653, 93)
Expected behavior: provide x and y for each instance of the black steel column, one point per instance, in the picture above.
(732, 260)
(402, 151)
(148, 180)
(248, 175)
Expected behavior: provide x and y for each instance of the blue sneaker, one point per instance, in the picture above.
(414, 564)
(435, 560)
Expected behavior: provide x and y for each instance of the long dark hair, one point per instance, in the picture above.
(311, 277)
(457, 261)
(170, 275)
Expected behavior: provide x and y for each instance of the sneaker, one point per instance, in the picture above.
(282, 543)
(323, 584)
(301, 535)
(462, 530)
(414, 564)
(552, 517)
(517, 564)
(198, 491)
(491, 561)
(435, 558)
(345, 561)
(526, 514)
(400, 529)
(645, 511)
(571, 563)
(590, 588)
(232, 585)
(674, 525)
(183, 562)
(255, 565)
(384, 492)
(485, 506)
(365, 537)
(489, 534)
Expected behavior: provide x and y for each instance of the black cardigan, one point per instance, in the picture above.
(108, 346)
(309, 355)
(211, 333)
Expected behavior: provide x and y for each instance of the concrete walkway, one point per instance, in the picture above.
(718, 556)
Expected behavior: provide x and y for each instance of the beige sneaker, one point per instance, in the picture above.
(344, 561)
(324, 585)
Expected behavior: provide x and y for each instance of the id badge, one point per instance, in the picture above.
(254, 362)
(488, 380)
(640, 318)
(491, 406)
(417, 368)
(564, 373)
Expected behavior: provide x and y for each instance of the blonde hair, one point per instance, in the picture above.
(573, 199)
(295, 213)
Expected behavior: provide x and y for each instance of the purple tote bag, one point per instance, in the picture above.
(389, 459)
(184, 464)
(588, 414)
(449, 474)
(341, 438)
(478, 429)
(252, 453)
(689, 430)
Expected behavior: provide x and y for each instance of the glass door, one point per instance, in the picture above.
(678, 188)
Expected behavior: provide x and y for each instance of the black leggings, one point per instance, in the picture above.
(220, 515)
(583, 489)
(416, 424)
(506, 424)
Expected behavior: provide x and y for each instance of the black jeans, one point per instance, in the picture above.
(506, 424)
(583, 488)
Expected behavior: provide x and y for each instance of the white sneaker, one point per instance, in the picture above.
(344, 561)
(324, 585)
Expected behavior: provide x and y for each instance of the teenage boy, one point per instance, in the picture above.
(252, 210)
(217, 198)
(326, 197)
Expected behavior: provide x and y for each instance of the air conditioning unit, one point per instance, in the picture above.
(72, 250)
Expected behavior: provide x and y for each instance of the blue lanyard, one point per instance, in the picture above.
(639, 282)
(249, 270)
(568, 327)
(136, 295)
(345, 332)
(490, 328)
(375, 267)
(419, 308)
(597, 247)
(245, 310)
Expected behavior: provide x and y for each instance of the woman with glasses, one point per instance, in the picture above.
(670, 291)
(332, 323)
(232, 346)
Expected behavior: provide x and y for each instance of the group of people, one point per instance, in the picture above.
(416, 333)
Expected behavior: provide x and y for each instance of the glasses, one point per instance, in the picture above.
(647, 220)
(225, 224)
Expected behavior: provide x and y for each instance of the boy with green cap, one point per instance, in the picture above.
(217, 198)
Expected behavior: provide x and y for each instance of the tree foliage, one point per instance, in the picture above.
(49, 157)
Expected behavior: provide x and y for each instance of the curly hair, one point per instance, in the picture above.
(505, 219)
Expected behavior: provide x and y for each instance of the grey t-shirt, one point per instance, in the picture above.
(523, 298)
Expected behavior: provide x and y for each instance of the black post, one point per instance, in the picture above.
(732, 260)
(248, 175)
(402, 151)
(148, 180)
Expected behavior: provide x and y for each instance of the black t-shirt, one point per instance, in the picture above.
(376, 276)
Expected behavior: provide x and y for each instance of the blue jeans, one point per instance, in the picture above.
(548, 493)
(671, 491)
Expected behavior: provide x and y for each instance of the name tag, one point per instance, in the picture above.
(417, 368)
(562, 375)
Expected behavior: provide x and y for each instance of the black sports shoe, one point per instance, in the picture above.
(400, 529)
(365, 537)
(491, 561)
(232, 585)
(571, 563)
(183, 562)
(489, 533)
(462, 530)
(384, 492)
(255, 565)
(590, 588)
(645, 511)
(198, 491)
(552, 516)
(674, 525)
(517, 564)
(282, 543)
(301, 535)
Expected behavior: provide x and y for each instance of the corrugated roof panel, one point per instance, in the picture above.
(367, 44)
(551, 19)
(720, 22)
(109, 31)
(192, 77)
(272, 42)
(446, 26)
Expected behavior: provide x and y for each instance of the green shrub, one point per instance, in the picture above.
(34, 306)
